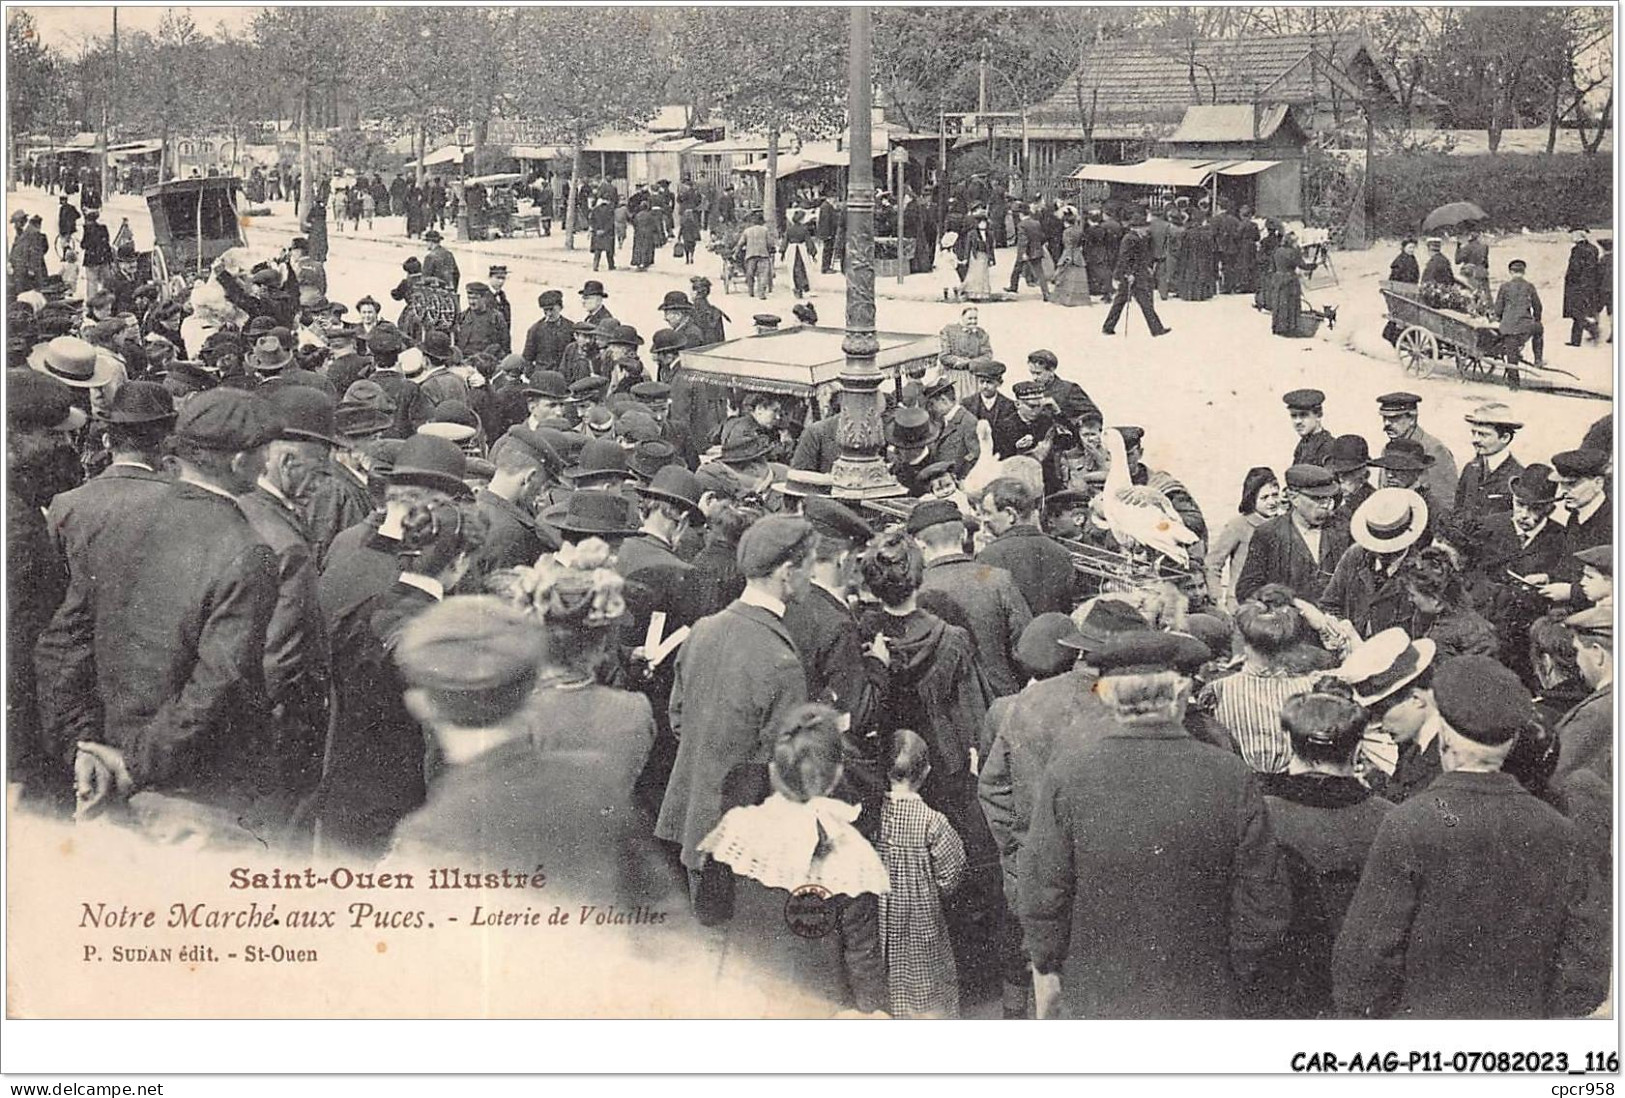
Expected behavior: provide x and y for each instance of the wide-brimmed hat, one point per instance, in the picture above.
(805, 482)
(1534, 486)
(431, 462)
(600, 459)
(74, 362)
(912, 429)
(269, 355)
(1348, 453)
(1106, 618)
(593, 288)
(592, 512)
(1390, 520)
(1385, 664)
(674, 484)
(741, 445)
(1493, 414)
(1403, 455)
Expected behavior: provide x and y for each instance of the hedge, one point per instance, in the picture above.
(1517, 191)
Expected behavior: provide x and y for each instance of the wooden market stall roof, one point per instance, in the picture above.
(1171, 172)
(798, 361)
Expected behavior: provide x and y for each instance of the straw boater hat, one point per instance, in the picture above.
(1386, 664)
(1389, 521)
(74, 362)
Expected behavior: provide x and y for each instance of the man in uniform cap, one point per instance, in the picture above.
(1301, 547)
(1400, 421)
(1123, 912)
(178, 654)
(738, 676)
(497, 277)
(982, 597)
(1473, 899)
(1305, 407)
(483, 327)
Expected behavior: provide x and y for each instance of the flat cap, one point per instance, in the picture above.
(547, 383)
(1596, 622)
(1311, 480)
(667, 340)
(635, 426)
(229, 420)
(585, 327)
(652, 391)
(534, 446)
(945, 387)
(987, 368)
(1143, 652)
(588, 388)
(771, 541)
(1580, 463)
(833, 519)
(1044, 358)
(1304, 400)
(1398, 402)
(933, 512)
(472, 288)
(1600, 557)
(550, 297)
(1534, 485)
(476, 647)
(1041, 649)
(1482, 699)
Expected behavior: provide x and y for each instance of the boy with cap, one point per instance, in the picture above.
(178, 654)
(738, 675)
(1123, 912)
(1517, 312)
(1305, 407)
(987, 402)
(1041, 566)
(548, 337)
(1473, 899)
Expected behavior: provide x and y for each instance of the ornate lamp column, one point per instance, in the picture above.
(861, 472)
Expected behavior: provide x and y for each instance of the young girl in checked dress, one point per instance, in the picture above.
(925, 860)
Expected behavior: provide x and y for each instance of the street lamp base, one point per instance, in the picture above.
(864, 478)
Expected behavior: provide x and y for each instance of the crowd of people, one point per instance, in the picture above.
(390, 589)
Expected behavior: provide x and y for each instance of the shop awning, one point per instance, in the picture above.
(539, 152)
(446, 154)
(1248, 167)
(1171, 172)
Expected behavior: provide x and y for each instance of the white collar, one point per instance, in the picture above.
(273, 491)
(953, 413)
(1494, 462)
(752, 597)
(1428, 732)
(1533, 534)
(424, 583)
(221, 492)
(133, 465)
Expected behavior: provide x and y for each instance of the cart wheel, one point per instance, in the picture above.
(1418, 351)
(1473, 368)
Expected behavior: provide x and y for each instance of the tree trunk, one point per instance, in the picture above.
(423, 149)
(575, 194)
(1604, 122)
(302, 207)
(1551, 120)
(770, 182)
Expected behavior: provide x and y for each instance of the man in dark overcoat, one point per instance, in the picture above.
(986, 598)
(1473, 900)
(440, 263)
(549, 336)
(1584, 779)
(1135, 277)
(1029, 257)
(1149, 881)
(1299, 548)
(1485, 486)
(179, 650)
(1582, 487)
(483, 327)
(1040, 565)
(1306, 408)
(738, 675)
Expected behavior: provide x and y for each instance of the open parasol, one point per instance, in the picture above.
(1453, 213)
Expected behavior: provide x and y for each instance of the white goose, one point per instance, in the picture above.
(986, 469)
(1138, 515)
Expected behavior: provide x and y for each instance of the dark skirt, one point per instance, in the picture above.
(1286, 303)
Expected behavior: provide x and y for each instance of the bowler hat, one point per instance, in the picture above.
(307, 413)
(1348, 453)
(1390, 520)
(228, 420)
(742, 445)
(912, 429)
(140, 402)
(547, 383)
(667, 340)
(433, 236)
(36, 401)
(1403, 455)
(593, 288)
(592, 512)
(674, 484)
(1534, 486)
(675, 299)
(74, 362)
(1482, 699)
(600, 460)
(648, 458)
(436, 346)
(433, 463)
(625, 336)
(1043, 651)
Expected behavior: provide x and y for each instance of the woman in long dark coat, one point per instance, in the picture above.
(1246, 258)
(645, 238)
(1580, 289)
(1286, 297)
(1201, 268)
(1168, 280)
(1264, 297)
